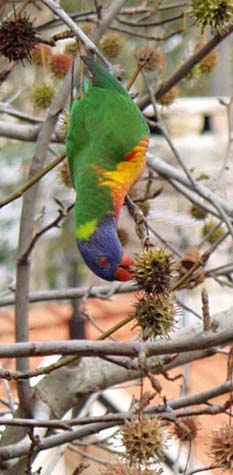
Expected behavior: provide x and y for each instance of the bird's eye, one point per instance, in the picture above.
(103, 261)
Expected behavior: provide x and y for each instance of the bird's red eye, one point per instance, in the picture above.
(103, 261)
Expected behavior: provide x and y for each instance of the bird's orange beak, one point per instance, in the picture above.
(123, 272)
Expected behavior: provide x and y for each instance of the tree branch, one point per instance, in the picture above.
(87, 42)
(18, 193)
(25, 133)
(185, 68)
(221, 321)
(168, 171)
(26, 231)
(100, 291)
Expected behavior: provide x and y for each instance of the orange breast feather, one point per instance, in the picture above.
(127, 172)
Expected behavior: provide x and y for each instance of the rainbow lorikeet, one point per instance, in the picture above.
(107, 140)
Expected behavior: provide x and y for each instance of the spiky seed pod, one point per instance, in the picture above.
(64, 174)
(87, 27)
(123, 469)
(155, 314)
(111, 44)
(43, 95)
(151, 57)
(198, 45)
(220, 448)
(198, 212)
(41, 54)
(71, 48)
(187, 429)
(123, 236)
(18, 38)
(60, 64)
(217, 14)
(153, 270)
(209, 62)
(212, 232)
(194, 73)
(168, 98)
(203, 176)
(143, 440)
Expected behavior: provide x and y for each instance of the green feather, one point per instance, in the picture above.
(101, 77)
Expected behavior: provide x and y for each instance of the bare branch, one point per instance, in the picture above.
(87, 42)
(18, 450)
(212, 338)
(26, 231)
(25, 133)
(11, 130)
(108, 16)
(18, 193)
(4, 107)
(101, 291)
(185, 68)
(166, 170)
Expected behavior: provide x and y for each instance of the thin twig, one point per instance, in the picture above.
(202, 469)
(101, 291)
(90, 457)
(18, 193)
(229, 111)
(87, 348)
(150, 24)
(183, 70)
(165, 134)
(62, 213)
(205, 310)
